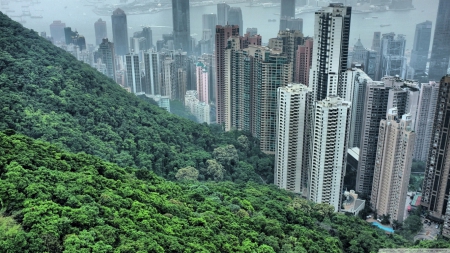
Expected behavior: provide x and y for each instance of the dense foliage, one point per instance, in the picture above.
(49, 95)
(54, 201)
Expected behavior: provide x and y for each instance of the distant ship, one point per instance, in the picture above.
(36, 16)
(254, 5)
(385, 25)
(272, 20)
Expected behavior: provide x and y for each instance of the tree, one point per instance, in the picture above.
(188, 173)
(214, 169)
(226, 155)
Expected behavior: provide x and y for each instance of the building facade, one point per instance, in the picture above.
(100, 31)
(222, 14)
(303, 61)
(329, 151)
(395, 150)
(421, 46)
(235, 18)
(181, 25)
(120, 32)
(107, 55)
(292, 145)
(440, 51)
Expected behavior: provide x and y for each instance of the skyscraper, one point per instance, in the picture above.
(393, 165)
(222, 14)
(106, 54)
(209, 22)
(181, 25)
(392, 60)
(151, 70)
(202, 82)
(380, 96)
(360, 80)
(134, 80)
(440, 51)
(148, 35)
(57, 31)
(419, 54)
(330, 50)
(288, 8)
(292, 145)
(425, 115)
(291, 24)
(376, 41)
(303, 62)
(100, 31)
(329, 151)
(235, 18)
(120, 32)
(436, 185)
(359, 53)
(222, 35)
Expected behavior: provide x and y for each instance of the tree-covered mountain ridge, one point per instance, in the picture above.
(48, 95)
(55, 201)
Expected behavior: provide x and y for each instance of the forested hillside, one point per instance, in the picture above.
(55, 201)
(48, 95)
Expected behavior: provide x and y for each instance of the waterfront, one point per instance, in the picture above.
(79, 15)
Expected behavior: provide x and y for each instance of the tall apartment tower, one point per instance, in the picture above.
(303, 61)
(292, 144)
(419, 54)
(440, 51)
(222, 14)
(151, 69)
(120, 32)
(202, 82)
(329, 151)
(436, 185)
(359, 53)
(393, 165)
(271, 71)
(425, 115)
(222, 35)
(100, 31)
(181, 25)
(148, 35)
(330, 50)
(361, 80)
(167, 77)
(235, 18)
(106, 53)
(380, 96)
(392, 60)
(57, 31)
(134, 79)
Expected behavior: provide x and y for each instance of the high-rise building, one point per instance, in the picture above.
(100, 31)
(393, 165)
(329, 151)
(120, 32)
(222, 14)
(360, 80)
(148, 35)
(359, 53)
(419, 54)
(106, 54)
(181, 25)
(389, 93)
(202, 82)
(436, 185)
(209, 22)
(440, 51)
(287, 8)
(271, 70)
(293, 135)
(235, 18)
(303, 61)
(291, 24)
(392, 60)
(134, 78)
(251, 31)
(200, 110)
(425, 115)
(167, 79)
(330, 50)
(290, 39)
(151, 71)
(376, 41)
(222, 35)
(57, 31)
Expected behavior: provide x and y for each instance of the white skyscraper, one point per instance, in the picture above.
(330, 51)
(329, 150)
(133, 73)
(292, 144)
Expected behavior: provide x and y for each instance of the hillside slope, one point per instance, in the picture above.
(48, 95)
(55, 201)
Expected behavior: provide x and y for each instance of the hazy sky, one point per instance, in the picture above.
(78, 14)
